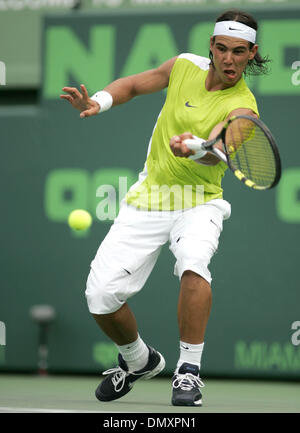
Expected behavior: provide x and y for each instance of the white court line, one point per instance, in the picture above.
(38, 410)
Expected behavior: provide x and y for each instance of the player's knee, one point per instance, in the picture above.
(190, 275)
(200, 257)
(193, 280)
(194, 261)
(100, 296)
(193, 270)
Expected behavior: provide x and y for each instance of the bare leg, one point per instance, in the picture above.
(120, 326)
(193, 307)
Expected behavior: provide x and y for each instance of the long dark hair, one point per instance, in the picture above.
(258, 65)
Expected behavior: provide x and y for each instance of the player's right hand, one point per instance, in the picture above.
(178, 147)
(81, 101)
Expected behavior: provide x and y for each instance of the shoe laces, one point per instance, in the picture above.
(187, 381)
(118, 378)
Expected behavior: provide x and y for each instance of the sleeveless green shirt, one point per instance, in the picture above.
(172, 183)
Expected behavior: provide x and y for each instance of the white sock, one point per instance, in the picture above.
(190, 353)
(135, 354)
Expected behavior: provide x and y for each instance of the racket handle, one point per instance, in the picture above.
(195, 143)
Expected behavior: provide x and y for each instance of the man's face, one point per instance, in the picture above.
(230, 56)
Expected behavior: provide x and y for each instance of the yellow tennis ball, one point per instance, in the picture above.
(79, 219)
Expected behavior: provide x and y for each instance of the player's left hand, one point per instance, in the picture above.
(178, 147)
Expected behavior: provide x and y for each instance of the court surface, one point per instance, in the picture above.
(57, 393)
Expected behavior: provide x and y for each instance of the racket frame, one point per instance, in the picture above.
(225, 155)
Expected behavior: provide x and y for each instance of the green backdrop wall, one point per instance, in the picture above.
(21, 22)
(53, 161)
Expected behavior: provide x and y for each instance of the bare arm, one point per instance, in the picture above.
(123, 89)
(180, 149)
(151, 81)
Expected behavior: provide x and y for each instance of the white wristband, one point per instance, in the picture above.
(104, 99)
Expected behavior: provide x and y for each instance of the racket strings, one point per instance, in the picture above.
(250, 152)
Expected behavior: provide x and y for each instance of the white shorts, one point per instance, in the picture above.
(129, 252)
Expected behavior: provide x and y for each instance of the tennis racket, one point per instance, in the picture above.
(249, 150)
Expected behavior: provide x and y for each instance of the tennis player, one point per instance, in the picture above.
(177, 199)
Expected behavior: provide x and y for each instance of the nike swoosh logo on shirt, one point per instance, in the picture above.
(187, 104)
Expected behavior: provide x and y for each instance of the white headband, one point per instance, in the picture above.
(236, 30)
